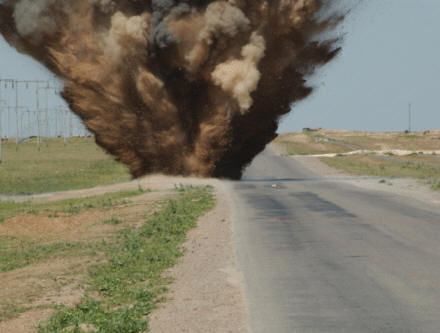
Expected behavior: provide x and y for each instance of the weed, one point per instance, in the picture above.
(11, 310)
(382, 181)
(141, 190)
(9, 209)
(112, 220)
(435, 184)
(182, 188)
(24, 254)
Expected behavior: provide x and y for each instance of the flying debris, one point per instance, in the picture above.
(191, 87)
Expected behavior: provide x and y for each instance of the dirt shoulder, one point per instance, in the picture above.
(411, 188)
(207, 294)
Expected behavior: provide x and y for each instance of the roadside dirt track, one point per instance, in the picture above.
(207, 295)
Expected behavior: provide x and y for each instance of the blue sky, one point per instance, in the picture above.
(390, 57)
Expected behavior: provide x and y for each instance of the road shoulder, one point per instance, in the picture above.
(411, 188)
(207, 293)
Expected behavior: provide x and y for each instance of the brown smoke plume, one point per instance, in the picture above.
(191, 87)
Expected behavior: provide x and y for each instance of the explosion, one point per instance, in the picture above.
(190, 87)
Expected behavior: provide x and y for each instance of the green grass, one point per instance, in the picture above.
(22, 253)
(9, 209)
(19, 252)
(57, 168)
(130, 282)
(112, 221)
(11, 310)
(435, 184)
(368, 166)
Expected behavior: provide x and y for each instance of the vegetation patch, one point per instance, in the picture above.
(112, 220)
(365, 165)
(129, 282)
(22, 253)
(9, 209)
(77, 165)
(11, 310)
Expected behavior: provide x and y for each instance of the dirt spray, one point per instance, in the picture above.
(191, 87)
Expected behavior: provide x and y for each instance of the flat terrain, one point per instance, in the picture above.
(339, 141)
(320, 249)
(404, 167)
(400, 155)
(80, 164)
(328, 254)
(46, 250)
(93, 263)
(52, 243)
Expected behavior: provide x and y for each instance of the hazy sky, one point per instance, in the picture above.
(390, 57)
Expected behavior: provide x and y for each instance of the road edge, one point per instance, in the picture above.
(207, 294)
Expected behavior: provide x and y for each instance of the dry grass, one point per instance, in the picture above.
(365, 165)
(304, 143)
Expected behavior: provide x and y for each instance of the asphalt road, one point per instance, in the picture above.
(320, 255)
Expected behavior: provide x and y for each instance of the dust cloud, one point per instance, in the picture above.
(191, 87)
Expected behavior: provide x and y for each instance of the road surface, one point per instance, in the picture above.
(320, 255)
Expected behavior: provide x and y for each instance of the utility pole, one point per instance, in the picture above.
(1, 125)
(409, 118)
(21, 122)
(17, 134)
(14, 84)
(1, 133)
(70, 126)
(8, 135)
(64, 126)
(56, 123)
(8, 115)
(37, 115)
(47, 119)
